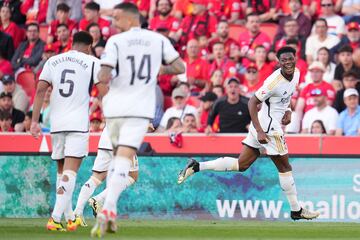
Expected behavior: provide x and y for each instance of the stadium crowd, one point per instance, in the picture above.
(222, 72)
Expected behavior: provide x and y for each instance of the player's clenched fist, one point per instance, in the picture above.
(286, 118)
(262, 137)
(35, 129)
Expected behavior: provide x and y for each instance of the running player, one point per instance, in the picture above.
(265, 131)
(137, 55)
(100, 169)
(71, 75)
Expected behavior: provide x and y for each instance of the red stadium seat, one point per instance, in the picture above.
(27, 81)
(44, 32)
(235, 31)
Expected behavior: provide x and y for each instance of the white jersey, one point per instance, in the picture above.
(71, 75)
(137, 55)
(275, 94)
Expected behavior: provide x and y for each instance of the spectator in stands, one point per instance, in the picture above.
(29, 53)
(217, 77)
(195, 25)
(92, 15)
(74, 5)
(5, 67)
(179, 108)
(318, 40)
(98, 45)
(218, 90)
(19, 98)
(95, 122)
(346, 64)
(173, 125)
(321, 111)
(222, 62)
(351, 10)
(6, 122)
(35, 11)
(9, 27)
(306, 100)
(291, 31)
(197, 69)
(27, 122)
(189, 124)
(325, 58)
(164, 20)
(16, 15)
(64, 42)
(207, 101)
(251, 38)
(317, 127)
(232, 110)
(303, 21)
(222, 35)
(300, 63)
(352, 38)
(267, 10)
(159, 108)
(49, 51)
(263, 67)
(349, 121)
(350, 81)
(6, 105)
(252, 81)
(336, 24)
(229, 10)
(6, 46)
(62, 17)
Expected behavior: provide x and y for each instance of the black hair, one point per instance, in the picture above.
(128, 7)
(285, 49)
(63, 7)
(250, 15)
(92, 25)
(62, 25)
(292, 41)
(350, 73)
(323, 130)
(183, 83)
(328, 52)
(5, 115)
(82, 38)
(157, 3)
(345, 48)
(189, 115)
(290, 20)
(33, 24)
(29, 114)
(92, 6)
(321, 20)
(171, 121)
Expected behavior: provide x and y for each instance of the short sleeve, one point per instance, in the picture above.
(169, 52)
(333, 120)
(45, 74)
(96, 71)
(339, 122)
(306, 122)
(265, 91)
(110, 54)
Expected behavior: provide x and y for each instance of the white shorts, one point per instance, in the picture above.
(104, 158)
(127, 132)
(276, 146)
(69, 144)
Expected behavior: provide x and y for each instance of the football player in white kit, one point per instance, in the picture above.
(100, 171)
(266, 132)
(71, 75)
(129, 104)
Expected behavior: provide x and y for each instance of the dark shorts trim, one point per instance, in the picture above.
(55, 160)
(122, 145)
(254, 148)
(70, 131)
(129, 117)
(75, 157)
(105, 149)
(96, 171)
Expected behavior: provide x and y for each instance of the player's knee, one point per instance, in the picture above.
(65, 178)
(134, 176)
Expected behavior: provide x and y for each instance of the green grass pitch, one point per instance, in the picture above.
(13, 229)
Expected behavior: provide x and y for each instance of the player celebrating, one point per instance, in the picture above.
(265, 132)
(100, 170)
(137, 55)
(71, 75)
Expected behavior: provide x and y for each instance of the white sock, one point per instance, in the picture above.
(117, 183)
(58, 178)
(68, 212)
(86, 192)
(288, 186)
(220, 164)
(101, 196)
(62, 200)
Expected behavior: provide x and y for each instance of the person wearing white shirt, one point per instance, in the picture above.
(336, 24)
(322, 111)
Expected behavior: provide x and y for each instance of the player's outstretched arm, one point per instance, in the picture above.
(174, 68)
(38, 102)
(252, 105)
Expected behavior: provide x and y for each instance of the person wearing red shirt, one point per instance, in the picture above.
(62, 17)
(198, 24)
(196, 68)
(64, 40)
(164, 20)
(251, 38)
(9, 27)
(229, 10)
(35, 11)
(251, 82)
(222, 62)
(222, 35)
(306, 101)
(92, 15)
(5, 67)
(263, 67)
(300, 63)
(266, 9)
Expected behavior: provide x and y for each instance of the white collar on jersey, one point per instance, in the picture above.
(135, 28)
